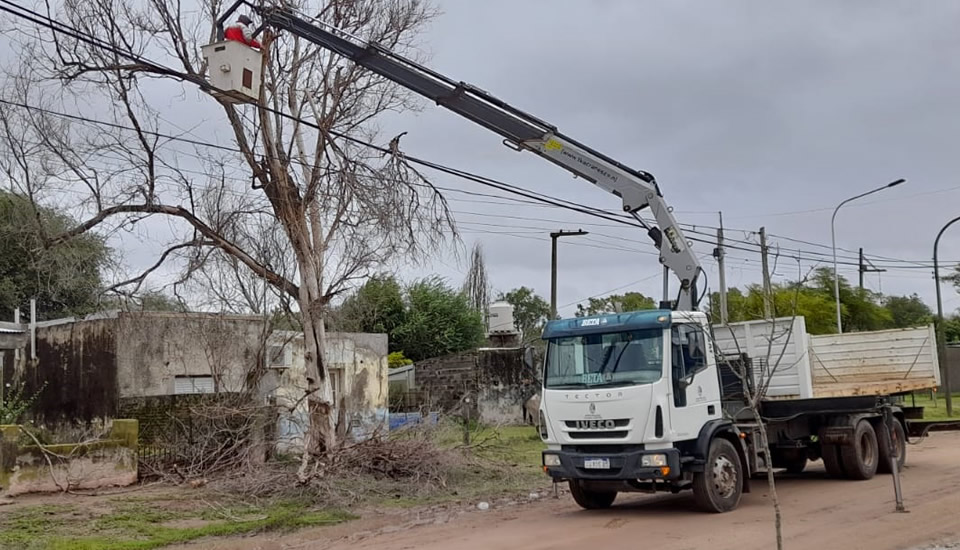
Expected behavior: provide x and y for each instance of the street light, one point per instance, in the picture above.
(833, 236)
(553, 266)
(941, 343)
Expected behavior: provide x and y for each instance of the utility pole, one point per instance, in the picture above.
(718, 253)
(867, 267)
(767, 307)
(553, 266)
(941, 337)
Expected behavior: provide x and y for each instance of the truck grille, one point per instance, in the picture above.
(596, 434)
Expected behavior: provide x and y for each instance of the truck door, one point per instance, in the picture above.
(695, 388)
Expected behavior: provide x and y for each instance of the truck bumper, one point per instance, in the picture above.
(623, 466)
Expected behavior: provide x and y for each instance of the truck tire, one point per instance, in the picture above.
(860, 459)
(831, 460)
(899, 446)
(591, 500)
(719, 487)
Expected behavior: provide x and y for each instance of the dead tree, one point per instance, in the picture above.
(477, 285)
(756, 377)
(343, 209)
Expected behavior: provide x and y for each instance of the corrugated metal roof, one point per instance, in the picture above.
(11, 331)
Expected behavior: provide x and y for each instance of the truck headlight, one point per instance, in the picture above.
(543, 427)
(551, 460)
(649, 461)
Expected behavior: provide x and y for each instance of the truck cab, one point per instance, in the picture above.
(632, 402)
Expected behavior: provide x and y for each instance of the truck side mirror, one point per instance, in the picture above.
(686, 381)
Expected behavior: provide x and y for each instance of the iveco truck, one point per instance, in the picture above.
(660, 401)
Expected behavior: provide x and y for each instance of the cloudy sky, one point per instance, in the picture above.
(771, 112)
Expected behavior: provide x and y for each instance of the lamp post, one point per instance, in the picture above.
(553, 266)
(833, 236)
(941, 343)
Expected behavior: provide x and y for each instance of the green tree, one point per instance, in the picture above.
(616, 303)
(951, 329)
(789, 299)
(377, 307)
(908, 311)
(397, 359)
(438, 320)
(530, 311)
(64, 279)
(860, 309)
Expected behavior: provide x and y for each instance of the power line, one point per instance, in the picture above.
(57, 26)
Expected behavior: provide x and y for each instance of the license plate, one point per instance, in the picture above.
(597, 464)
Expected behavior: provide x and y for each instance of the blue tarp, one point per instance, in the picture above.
(398, 420)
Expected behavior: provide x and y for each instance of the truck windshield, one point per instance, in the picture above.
(615, 359)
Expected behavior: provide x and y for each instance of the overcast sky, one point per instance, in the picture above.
(771, 112)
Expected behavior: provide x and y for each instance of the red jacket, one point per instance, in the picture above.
(241, 33)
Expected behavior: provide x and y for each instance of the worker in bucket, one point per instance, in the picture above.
(242, 31)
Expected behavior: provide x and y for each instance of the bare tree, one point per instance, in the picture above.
(756, 377)
(342, 208)
(477, 286)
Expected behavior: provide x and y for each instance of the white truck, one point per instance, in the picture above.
(655, 401)
(635, 401)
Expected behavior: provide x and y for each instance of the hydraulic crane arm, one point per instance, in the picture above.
(520, 130)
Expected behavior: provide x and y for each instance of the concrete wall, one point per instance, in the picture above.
(953, 363)
(505, 382)
(26, 468)
(154, 348)
(498, 380)
(358, 363)
(75, 373)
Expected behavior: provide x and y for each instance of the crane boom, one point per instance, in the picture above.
(520, 130)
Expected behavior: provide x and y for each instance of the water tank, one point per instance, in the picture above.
(500, 319)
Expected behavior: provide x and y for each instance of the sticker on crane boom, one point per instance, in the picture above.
(553, 145)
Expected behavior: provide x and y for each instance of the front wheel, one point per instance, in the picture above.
(591, 500)
(719, 487)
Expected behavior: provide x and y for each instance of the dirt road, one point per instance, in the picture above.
(819, 513)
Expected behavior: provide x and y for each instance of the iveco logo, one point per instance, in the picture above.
(595, 424)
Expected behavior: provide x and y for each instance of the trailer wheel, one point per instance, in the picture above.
(719, 487)
(860, 459)
(831, 460)
(899, 447)
(591, 500)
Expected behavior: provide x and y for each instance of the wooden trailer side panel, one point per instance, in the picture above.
(874, 363)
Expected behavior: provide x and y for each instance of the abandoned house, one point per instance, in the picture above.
(92, 369)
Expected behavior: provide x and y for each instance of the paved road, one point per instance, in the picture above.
(819, 513)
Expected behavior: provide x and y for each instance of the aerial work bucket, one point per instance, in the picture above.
(234, 70)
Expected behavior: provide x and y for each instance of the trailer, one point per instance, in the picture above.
(802, 366)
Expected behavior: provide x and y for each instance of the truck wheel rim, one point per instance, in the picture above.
(866, 450)
(724, 477)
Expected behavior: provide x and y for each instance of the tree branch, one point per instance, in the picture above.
(217, 239)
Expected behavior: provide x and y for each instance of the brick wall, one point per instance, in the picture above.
(498, 381)
(444, 380)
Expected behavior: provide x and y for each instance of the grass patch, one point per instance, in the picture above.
(142, 526)
(934, 409)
